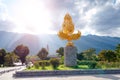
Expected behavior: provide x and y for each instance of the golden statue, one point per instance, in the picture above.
(67, 32)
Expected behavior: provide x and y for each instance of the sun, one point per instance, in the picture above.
(32, 16)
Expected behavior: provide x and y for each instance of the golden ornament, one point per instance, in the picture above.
(67, 31)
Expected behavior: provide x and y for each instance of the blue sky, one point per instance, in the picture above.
(96, 17)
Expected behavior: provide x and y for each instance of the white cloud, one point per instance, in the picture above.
(88, 14)
(3, 11)
(116, 4)
(100, 17)
(6, 24)
(97, 17)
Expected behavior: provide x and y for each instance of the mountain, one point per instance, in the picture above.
(10, 40)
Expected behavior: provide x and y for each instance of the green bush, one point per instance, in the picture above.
(91, 64)
(8, 60)
(36, 64)
(75, 67)
(41, 63)
(107, 65)
(62, 60)
(55, 62)
(98, 66)
(46, 62)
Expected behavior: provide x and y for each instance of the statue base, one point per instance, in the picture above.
(70, 56)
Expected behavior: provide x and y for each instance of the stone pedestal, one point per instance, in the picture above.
(70, 56)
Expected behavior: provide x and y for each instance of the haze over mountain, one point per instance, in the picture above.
(10, 40)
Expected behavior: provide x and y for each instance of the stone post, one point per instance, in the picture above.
(70, 56)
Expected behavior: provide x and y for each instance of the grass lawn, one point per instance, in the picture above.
(61, 67)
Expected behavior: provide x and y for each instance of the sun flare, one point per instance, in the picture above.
(32, 16)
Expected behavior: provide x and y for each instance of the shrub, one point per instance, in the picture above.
(8, 60)
(36, 64)
(108, 65)
(75, 67)
(46, 62)
(98, 66)
(54, 62)
(62, 60)
(91, 64)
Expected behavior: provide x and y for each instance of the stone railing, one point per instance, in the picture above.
(64, 72)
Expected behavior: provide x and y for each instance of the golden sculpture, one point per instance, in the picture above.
(67, 32)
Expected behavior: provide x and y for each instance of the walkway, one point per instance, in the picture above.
(8, 76)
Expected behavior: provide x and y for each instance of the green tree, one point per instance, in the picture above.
(2, 56)
(62, 60)
(89, 54)
(107, 55)
(15, 58)
(8, 60)
(55, 62)
(80, 56)
(42, 54)
(101, 55)
(22, 51)
(117, 50)
(60, 51)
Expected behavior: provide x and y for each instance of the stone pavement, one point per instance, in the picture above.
(8, 76)
(84, 77)
(8, 69)
(8, 72)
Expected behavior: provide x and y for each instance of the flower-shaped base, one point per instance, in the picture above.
(70, 43)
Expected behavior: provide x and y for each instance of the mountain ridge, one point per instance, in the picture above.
(10, 40)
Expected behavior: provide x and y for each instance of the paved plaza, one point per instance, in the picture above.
(9, 76)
